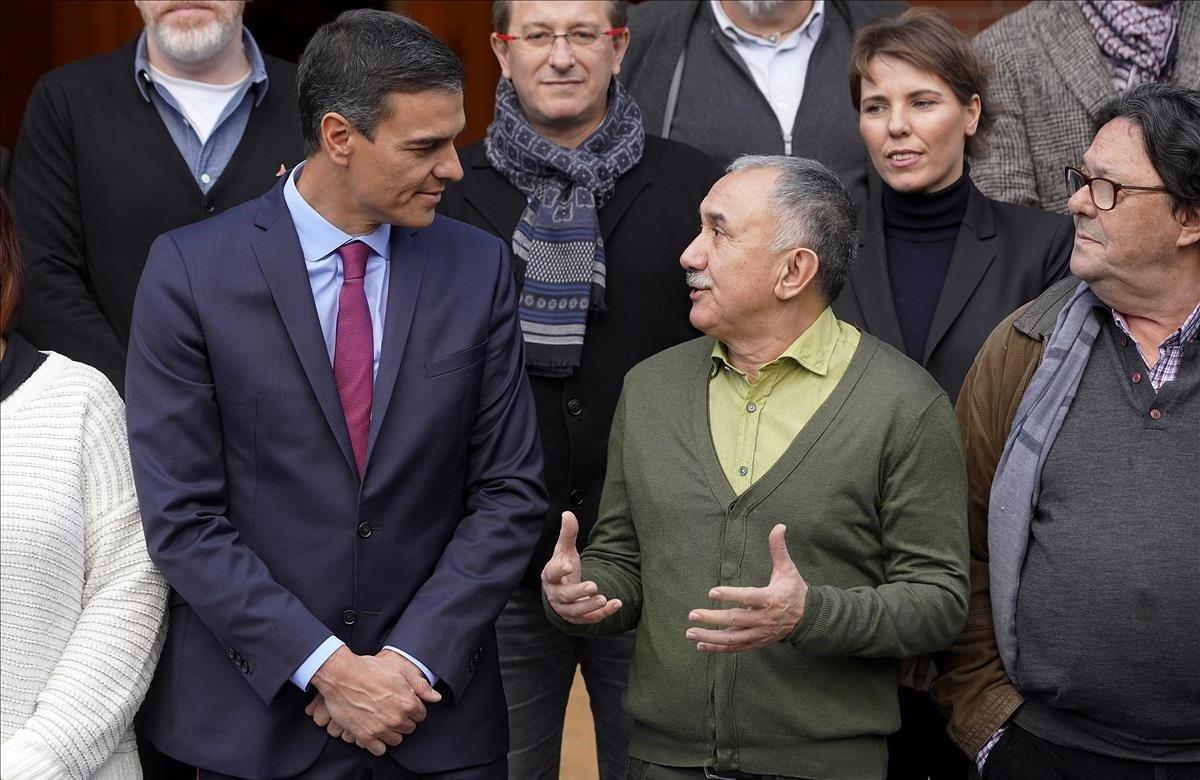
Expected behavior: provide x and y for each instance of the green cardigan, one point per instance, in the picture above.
(873, 493)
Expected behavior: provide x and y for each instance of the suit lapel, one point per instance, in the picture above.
(869, 279)
(974, 251)
(1078, 60)
(627, 189)
(404, 286)
(282, 262)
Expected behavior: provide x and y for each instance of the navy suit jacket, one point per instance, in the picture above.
(254, 512)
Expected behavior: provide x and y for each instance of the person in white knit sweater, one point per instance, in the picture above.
(81, 606)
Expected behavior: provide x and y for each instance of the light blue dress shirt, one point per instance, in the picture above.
(206, 161)
(319, 241)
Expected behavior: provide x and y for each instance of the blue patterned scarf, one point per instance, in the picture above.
(558, 236)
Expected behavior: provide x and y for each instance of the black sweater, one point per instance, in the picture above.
(920, 230)
(96, 178)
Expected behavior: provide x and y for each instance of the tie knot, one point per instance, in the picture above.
(354, 259)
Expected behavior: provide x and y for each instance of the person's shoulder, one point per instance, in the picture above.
(891, 373)
(1014, 30)
(90, 72)
(1028, 220)
(679, 163)
(65, 383)
(467, 238)
(653, 14)
(667, 367)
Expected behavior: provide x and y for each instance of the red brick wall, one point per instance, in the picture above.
(971, 16)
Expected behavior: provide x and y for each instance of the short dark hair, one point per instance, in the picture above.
(353, 64)
(12, 271)
(618, 14)
(813, 210)
(1169, 117)
(926, 39)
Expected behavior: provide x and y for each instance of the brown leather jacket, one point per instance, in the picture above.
(971, 684)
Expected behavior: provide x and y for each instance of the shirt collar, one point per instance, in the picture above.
(258, 67)
(318, 237)
(812, 350)
(811, 27)
(1188, 331)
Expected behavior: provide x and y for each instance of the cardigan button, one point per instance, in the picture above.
(1155, 414)
(1137, 377)
(575, 407)
(575, 497)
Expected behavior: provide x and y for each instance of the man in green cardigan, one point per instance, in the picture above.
(784, 517)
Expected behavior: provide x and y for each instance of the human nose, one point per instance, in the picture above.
(898, 123)
(692, 258)
(562, 56)
(1080, 202)
(449, 167)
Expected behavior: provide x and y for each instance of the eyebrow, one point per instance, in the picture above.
(715, 217)
(915, 93)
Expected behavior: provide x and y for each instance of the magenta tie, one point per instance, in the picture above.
(354, 350)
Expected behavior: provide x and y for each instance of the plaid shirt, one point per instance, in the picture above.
(1170, 353)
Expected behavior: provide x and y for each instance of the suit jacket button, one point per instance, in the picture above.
(349, 616)
(245, 667)
(575, 497)
(575, 407)
(364, 530)
(231, 653)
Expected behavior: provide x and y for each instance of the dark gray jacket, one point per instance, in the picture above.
(719, 109)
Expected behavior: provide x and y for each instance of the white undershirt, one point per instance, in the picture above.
(200, 103)
(779, 66)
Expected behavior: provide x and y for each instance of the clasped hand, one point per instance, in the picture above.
(766, 615)
(372, 701)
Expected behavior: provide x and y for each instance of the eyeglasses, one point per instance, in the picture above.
(1103, 191)
(577, 39)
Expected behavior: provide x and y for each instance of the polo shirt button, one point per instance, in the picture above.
(349, 617)
(575, 406)
(751, 407)
(743, 470)
(1155, 414)
(364, 530)
(575, 497)
(1137, 377)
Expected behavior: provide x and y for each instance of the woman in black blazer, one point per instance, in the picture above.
(939, 265)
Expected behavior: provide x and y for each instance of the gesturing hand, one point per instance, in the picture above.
(370, 700)
(766, 616)
(572, 600)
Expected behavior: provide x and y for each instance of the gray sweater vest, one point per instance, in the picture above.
(1106, 613)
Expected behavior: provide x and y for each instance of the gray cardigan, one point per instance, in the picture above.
(679, 60)
(1049, 84)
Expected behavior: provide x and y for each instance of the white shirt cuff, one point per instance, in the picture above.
(302, 676)
(433, 678)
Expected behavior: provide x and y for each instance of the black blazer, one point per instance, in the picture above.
(647, 223)
(1004, 256)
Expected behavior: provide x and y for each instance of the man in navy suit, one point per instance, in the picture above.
(335, 443)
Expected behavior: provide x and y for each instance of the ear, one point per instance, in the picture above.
(1189, 228)
(337, 138)
(620, 46)
(796, 274)
(501, 50)
(974, 109)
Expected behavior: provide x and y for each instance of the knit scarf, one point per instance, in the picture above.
(558, 235)
(1136, 40)
(1017, 483)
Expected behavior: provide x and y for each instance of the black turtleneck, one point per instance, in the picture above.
(920, 229)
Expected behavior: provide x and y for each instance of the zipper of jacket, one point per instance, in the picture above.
(787, 144)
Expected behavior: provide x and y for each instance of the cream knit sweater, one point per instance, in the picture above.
(81, 605)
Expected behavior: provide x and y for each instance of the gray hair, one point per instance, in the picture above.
(814, 211)
(353, 64)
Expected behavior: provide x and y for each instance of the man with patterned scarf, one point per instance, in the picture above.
(598, 214)
(1080, 422)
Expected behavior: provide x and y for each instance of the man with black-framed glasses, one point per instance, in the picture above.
(598, 214)
(1080, 421)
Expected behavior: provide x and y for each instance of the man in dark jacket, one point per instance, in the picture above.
(187, 121)
(598, 215)
(733, 78)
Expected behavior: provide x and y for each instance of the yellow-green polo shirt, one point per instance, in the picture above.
(754, 422)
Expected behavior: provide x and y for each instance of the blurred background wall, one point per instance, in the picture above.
(39, 35)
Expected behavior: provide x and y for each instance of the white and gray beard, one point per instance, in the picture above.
(196, 44)
(757, 9)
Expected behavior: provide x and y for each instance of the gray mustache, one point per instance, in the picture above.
(698, 280)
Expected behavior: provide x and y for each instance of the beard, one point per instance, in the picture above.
(196, 42)
(757, 9)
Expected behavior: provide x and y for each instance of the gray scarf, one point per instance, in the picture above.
(1018, 479)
